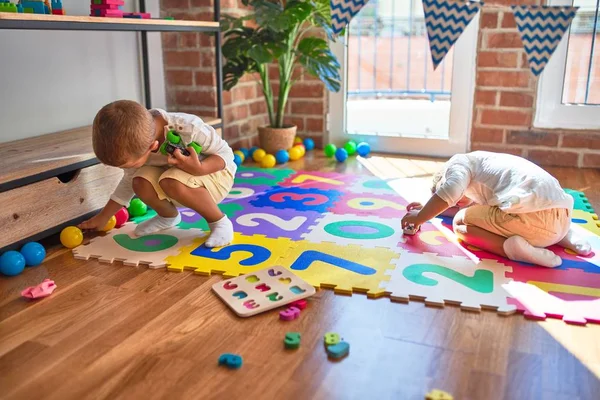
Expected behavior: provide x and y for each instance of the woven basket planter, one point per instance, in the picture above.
(274, 139)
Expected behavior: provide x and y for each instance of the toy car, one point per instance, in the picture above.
(173, 142)
(410, 230)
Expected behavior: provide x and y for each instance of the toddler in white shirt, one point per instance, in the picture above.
(507, 205)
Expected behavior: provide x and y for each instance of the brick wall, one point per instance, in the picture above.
(505, 96)
(190, 81)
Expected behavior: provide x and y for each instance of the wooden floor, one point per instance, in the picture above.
(111, 331)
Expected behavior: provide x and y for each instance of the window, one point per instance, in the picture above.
(569, 88)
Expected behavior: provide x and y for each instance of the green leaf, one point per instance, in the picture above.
(316, 57)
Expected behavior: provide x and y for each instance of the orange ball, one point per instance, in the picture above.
(295, 153)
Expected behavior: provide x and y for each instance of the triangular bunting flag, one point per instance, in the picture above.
(541, 29)
(342, 12)
(445, 21)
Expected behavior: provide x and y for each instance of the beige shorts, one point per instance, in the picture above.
(218, 183)
(541, 228)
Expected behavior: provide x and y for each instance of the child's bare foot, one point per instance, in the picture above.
(156, 224)
(519, 249)
(575, 243)
(221, 233)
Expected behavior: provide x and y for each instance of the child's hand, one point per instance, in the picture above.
(190, 164)
(414, 206)
(411, 219)
(95, 223)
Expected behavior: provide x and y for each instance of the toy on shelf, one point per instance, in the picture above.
(309, 144)
(57, 7)
(341, 154)
(258, 155)
(137, 208)
(282, 156)
(112, 222)
(122, 216)
(363, 149)
(71, 237)
(43, 289)
(12, 263)
(34, 253)
(107, 8)
(268, 161)
(173, 142)
(34, 6)
(137, 15)
(8, 7)
(330, 150)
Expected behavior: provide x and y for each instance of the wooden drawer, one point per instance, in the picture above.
(34, 208)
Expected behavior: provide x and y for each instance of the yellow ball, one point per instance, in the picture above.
(239, 153)
(112, 222)
(258, 154)
(298, 140)
(302, 150)
(295, 153)
(71, 237)
(268, 161)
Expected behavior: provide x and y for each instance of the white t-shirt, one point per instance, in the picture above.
(511, 183)
(191, 129)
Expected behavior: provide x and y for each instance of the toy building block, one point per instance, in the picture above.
(6, 6)
(107, 8)
(35, 7)
(137, 15)
(57, 7)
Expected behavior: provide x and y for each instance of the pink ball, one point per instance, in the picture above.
(122, 216)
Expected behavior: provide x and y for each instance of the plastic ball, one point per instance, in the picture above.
(298, 140)
(282, 156)
(137, 208)
(330, 150)
(34, 253)
(295, 153)
(245, 152)
(240, 154)
(237, 160)
(12, 263)
(112, 222)
(302, 149)
(258, 155)
(341, 155)
(71, 237)
(122, 217)
(268, 161)
(350, 147)
(363, 149)
(252, 150)
(309, 144)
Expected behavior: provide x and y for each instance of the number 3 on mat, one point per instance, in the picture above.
(482, 281)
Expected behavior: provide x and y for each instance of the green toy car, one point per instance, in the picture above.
(174, 142)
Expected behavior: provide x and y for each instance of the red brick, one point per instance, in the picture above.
(485, 97)
(188, 40)
(496, 149)
(553, 158)
(208, 59)
(582, 140)
(504, 40)
(170, 4)
(496, 59)
(273, 71)
(298, 121)
(487, 135)
(231, 131)
(503, 78)
(178, 77)
(226, 97)
(202, 3)
(591, 161)
(505, 117)
(182, 58)
(308, 107)
(489, 19)
(243, 93)
(304, 89)
(205, 78)
(195, 98)
(516, 99)
(534, 138)
(206, 40)
(236, 112)
(508, 20)
(169, 40)
(258, 107)
(524, 61)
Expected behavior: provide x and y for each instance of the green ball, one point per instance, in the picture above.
(137, 208)
(350, 147)
(330, 150)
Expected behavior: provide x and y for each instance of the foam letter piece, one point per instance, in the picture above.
(44, 289)
(331, 338)
(299, 304)
(292, 340)
(437, 394)
(339, 350)
(231, 361)
(289, 314)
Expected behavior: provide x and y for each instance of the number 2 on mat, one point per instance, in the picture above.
(310, 256)
(286, 224)
(482, 281)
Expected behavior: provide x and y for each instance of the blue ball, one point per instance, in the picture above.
(341, 154)
(282, 156)
(252, 150)
(12, 263)
(237, 160)
(245, 151)
(309, 144)
(34, 253)
(363, 149)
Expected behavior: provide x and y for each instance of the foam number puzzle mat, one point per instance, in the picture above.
(342, 232)
(262, 291)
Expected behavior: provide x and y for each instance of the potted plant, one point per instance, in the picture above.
(280, 32)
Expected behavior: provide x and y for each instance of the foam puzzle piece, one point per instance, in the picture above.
(266, 289)
(246, 254)
(299, 199)
(586, 220)
(289, 314)
(122, 245)
(232, 361)
(299, 304)
(433, 237)
(456, 280)
(371, 185)
(292, 340)
(363, 231)
(538, 304)
(318, 180)
(338, 350)
(190, 219)
(377, 205)
(273, 222)
(245, 190)
(331, 338)
(345, 269)
(580, 201)
(44, 289)
(261, 176)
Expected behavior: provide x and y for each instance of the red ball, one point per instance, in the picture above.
(122, 216)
